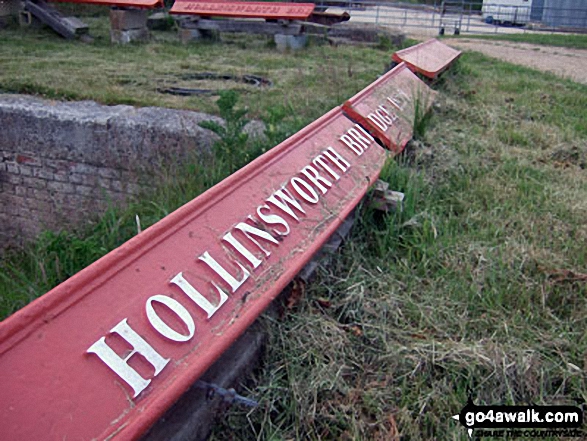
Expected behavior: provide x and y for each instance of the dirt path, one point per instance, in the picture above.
(564, 62)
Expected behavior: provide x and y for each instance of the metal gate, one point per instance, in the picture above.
(451, 16)
(465, 16)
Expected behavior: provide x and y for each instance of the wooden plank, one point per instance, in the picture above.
(68, 27)
(243, 9)
(430, 58)
(388, 107)
(106, 352)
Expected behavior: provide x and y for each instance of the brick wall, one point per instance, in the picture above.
(61, 164)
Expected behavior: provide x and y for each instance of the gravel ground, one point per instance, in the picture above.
(564, 62)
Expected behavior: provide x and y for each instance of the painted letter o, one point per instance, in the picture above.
(163, 328)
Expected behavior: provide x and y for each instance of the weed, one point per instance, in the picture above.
(233, 141)
(422, 115)
(476, 285)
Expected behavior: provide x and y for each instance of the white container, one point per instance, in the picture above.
(507, 11)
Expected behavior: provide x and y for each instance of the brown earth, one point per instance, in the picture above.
(564, 62)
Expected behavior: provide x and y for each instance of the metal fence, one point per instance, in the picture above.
(455, 17)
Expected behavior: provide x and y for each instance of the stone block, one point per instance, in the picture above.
(290, 42)
(130, 36)
(128, 19)
(189, 35)
(9, 8)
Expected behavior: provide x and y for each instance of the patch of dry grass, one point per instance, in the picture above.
(479, 285)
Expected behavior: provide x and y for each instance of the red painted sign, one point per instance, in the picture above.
(105, 353)
(389, 106)
(270, 10)
(430, 58)
(146, 4)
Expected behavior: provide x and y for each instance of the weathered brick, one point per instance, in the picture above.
(24, 158)
(133, 188)
(84, 190)
(25, 170)
(14, 204)
(40, 195)
(117, 185)
(6, 156)
(34, 183)
(12, 168)
(104, 183)
(13, 179)
(61, 187)
(6, 187)
(44, 173)
(110, 173)
(84, 168)
(61, 176)
(76, 178)
(2, 166)
(57, 200)
(19, 190)
(58, 164)
(36, 204)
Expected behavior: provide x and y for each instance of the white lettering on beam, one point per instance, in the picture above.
(232, 281)
(383, 118)
(320, 160)
(180, 281)
(312, 174)
(283, 199)
(273, 219)
(309, 194)
(251, 232)
(120, 365)
(328, 160)
(357, 139)
(338, 160)
(399, 100)
(163, 328)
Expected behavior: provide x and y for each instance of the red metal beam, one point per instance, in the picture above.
(388, 107)
(243, 9)
(105, 353)
(145, 4)
(430, 58)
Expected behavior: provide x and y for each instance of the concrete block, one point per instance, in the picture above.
(189, 35)
(128, 19)
(129, 36)
(76, 146)
(290, 42)
(9, 8)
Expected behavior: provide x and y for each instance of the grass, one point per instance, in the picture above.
(38, 62)
(576, 41)
(476, 285)
(473, 286)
